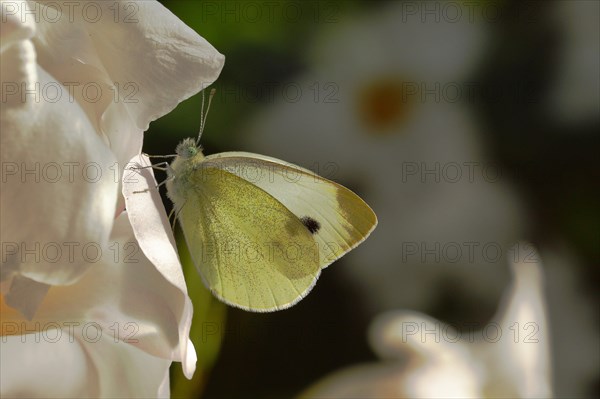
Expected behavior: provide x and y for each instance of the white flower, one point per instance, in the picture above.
(80, 83)
(424, 358)
(83, 295)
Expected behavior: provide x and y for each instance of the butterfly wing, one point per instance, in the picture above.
(343, 219)
(250, 250)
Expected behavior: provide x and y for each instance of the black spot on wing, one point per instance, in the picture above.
(311, 224)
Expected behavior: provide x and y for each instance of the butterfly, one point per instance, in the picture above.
(260, 230)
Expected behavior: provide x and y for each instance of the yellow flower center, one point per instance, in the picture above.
(382, 105)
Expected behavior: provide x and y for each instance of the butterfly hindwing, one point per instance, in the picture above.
(250, 249)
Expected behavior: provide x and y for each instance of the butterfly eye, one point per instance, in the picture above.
(191, 151)
(187, 148)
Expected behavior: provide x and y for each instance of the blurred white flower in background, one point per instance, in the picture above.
(573, 320)
(379, 113)
(576, 95)
(508, 357)
(389, 122)
(81, 81)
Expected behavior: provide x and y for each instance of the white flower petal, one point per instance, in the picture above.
(167, 59)
(126, 294)
(13, 28)
(388, 41)
(143, 67)
(59, 188)
(508, 358)
(48, 365)
(524, 346)
(153, 232)
(364, 381)
(439, 366)
(129, 298)
(96, 366)
(164, 390)
(18, 72)
(121, 312)
(124, 371)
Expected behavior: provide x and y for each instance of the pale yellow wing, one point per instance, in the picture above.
(250, 250)
(343, 219)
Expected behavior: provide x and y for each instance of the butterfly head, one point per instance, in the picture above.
(188, 149)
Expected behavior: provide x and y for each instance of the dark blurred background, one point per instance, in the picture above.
(399, 101)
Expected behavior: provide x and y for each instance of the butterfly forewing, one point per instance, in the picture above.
(337, 218)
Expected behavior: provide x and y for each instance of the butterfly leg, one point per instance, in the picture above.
(160, 156)
(156, 187)
(154, 166)
(176, 215)
(174, 219)
(157, 166)
(165, 181)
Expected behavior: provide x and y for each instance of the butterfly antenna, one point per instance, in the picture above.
(204, 114)
(201, 119)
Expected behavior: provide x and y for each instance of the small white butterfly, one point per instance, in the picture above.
(260, 230)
